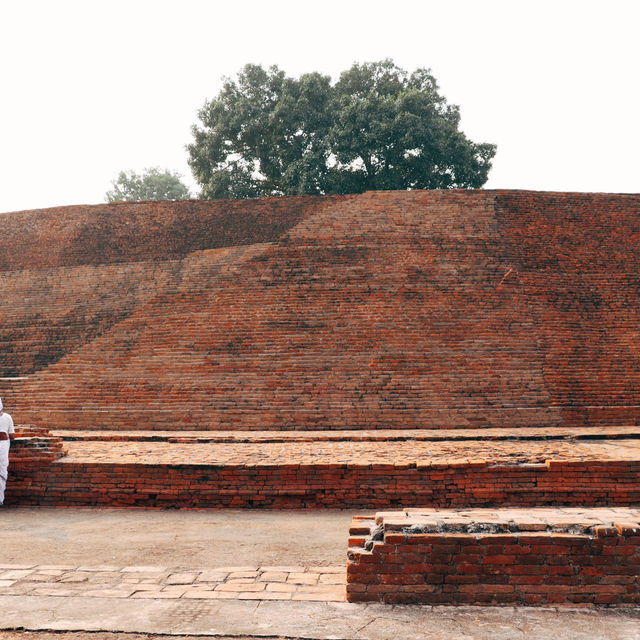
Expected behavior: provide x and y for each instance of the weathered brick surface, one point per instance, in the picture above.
(386, 310)
(578, 266)
(34, 447)
(508, 557)
(298, 473)
(135, 232)
(69, 274)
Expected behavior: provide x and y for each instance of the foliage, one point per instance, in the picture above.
(152, 184)
(377, 127)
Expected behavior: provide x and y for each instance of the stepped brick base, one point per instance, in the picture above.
(292, 470)
(34, 447)
(509, 556)
(448, 309)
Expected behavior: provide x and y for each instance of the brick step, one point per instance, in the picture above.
(609, 433)
(332, 474)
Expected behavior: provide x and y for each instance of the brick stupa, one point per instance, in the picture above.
(427, 348)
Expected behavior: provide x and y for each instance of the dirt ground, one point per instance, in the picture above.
(196, 539)
(84, 635)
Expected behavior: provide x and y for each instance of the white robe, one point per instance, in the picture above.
(4, 466)
(6, 425)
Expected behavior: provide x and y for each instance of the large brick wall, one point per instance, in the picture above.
(296, 485)
(384, 310)
(577, 261)
(68, 274)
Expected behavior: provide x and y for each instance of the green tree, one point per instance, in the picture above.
(377, 127)
(152, 184)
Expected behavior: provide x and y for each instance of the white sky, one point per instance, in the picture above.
(90, 88)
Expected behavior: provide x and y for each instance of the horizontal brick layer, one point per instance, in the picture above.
(417, 453)
(509, 557)
(628, 433)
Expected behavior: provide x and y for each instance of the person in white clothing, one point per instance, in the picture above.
(6, 435)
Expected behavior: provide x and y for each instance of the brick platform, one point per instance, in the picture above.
(510, 556)
(338, 470)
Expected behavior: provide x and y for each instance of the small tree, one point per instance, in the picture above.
(152, 184)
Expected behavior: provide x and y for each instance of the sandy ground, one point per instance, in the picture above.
(198, 539)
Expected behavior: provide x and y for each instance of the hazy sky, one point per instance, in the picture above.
(92, 88)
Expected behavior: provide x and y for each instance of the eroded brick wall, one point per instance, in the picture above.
(32, 448)
(569, 557)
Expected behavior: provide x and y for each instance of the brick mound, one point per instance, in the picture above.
(69, 274)
(385, 310)
(307, 351)
(510, 556)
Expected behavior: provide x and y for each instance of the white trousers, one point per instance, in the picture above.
(4, 465)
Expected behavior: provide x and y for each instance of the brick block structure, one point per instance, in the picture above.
(314, 471)
(515, 557)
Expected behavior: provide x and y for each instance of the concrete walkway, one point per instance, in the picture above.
(112, 570)
(313, 620)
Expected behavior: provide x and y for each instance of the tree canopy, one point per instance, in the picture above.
(152, 184)
(377, 127)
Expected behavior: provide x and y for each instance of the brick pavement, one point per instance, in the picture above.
(347, 451)
(296, 583)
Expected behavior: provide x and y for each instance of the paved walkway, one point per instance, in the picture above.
(102, 570)
(313, 620)
(319, 584)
